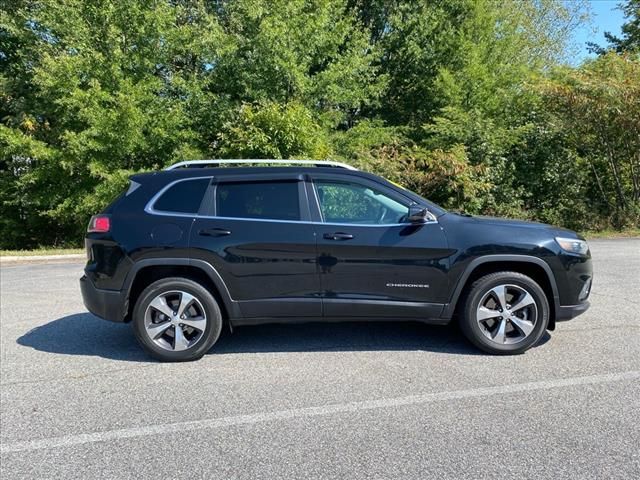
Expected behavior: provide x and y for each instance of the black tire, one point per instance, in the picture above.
(477, 334)
(206, 300)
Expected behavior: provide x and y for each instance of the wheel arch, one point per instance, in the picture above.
(533, 267)
(145, 272)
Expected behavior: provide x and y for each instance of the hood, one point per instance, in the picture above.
(508, 222)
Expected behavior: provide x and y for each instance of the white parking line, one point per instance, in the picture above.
(213, 423)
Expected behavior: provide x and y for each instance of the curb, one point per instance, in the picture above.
(41, 258)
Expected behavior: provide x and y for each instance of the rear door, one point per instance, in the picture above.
(255, 231)
(372, 262)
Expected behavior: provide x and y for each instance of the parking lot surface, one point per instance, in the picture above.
(79, 399)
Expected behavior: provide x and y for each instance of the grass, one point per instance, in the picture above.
(41, 251)
(630, 232)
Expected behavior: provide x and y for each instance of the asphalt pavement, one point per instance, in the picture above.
(79, 399)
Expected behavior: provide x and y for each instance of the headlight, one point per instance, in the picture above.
(573, 245)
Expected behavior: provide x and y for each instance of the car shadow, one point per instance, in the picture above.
(344, 336)
(85, 334)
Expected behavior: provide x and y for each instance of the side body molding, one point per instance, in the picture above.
(451, 306)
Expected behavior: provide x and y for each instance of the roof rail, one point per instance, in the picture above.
(205, 163)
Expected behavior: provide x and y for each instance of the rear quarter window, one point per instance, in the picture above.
(183, 197)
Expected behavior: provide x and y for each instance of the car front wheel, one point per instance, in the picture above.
(505, 313)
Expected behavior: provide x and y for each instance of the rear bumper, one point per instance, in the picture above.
(571, 311)
(106, 304)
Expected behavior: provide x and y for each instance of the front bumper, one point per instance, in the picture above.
(107, 304)
(571, 311)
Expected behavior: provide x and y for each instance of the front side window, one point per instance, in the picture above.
(269, 200)
(345, 202)
(183, 197)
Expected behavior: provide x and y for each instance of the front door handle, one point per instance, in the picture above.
(214, 232)
(337, 236)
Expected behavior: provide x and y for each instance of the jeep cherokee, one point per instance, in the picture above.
(207, 243)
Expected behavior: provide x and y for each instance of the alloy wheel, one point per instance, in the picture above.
(175, 320)
(507, 314)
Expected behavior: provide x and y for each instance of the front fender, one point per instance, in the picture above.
(450, 307)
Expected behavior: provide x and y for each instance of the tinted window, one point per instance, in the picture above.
(271, 200)
(344, 202)
(183, 197)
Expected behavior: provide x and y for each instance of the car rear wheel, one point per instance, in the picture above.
(176, 320)
(505, 313)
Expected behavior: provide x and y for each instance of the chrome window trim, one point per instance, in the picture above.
(133, 186)
(152, 211)
(274, 220)
(300, 221)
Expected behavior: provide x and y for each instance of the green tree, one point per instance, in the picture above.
(464, 101)
(271, 130)
(93, 90)
(459, 74)
(630, 31)
(598, 106)
(315, 53)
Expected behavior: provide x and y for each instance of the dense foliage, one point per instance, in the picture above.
(465, 101)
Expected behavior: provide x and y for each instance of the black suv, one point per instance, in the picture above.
(186, 250)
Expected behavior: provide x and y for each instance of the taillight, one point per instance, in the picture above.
(99, 224)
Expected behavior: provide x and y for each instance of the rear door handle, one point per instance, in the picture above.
(337, 236)
(214, 232)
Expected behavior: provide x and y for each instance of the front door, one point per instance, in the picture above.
(372, 262)
(257, 235)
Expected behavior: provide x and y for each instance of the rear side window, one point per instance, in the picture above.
(183, 197)
(268, 200)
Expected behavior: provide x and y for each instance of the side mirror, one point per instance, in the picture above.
(417, 214)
